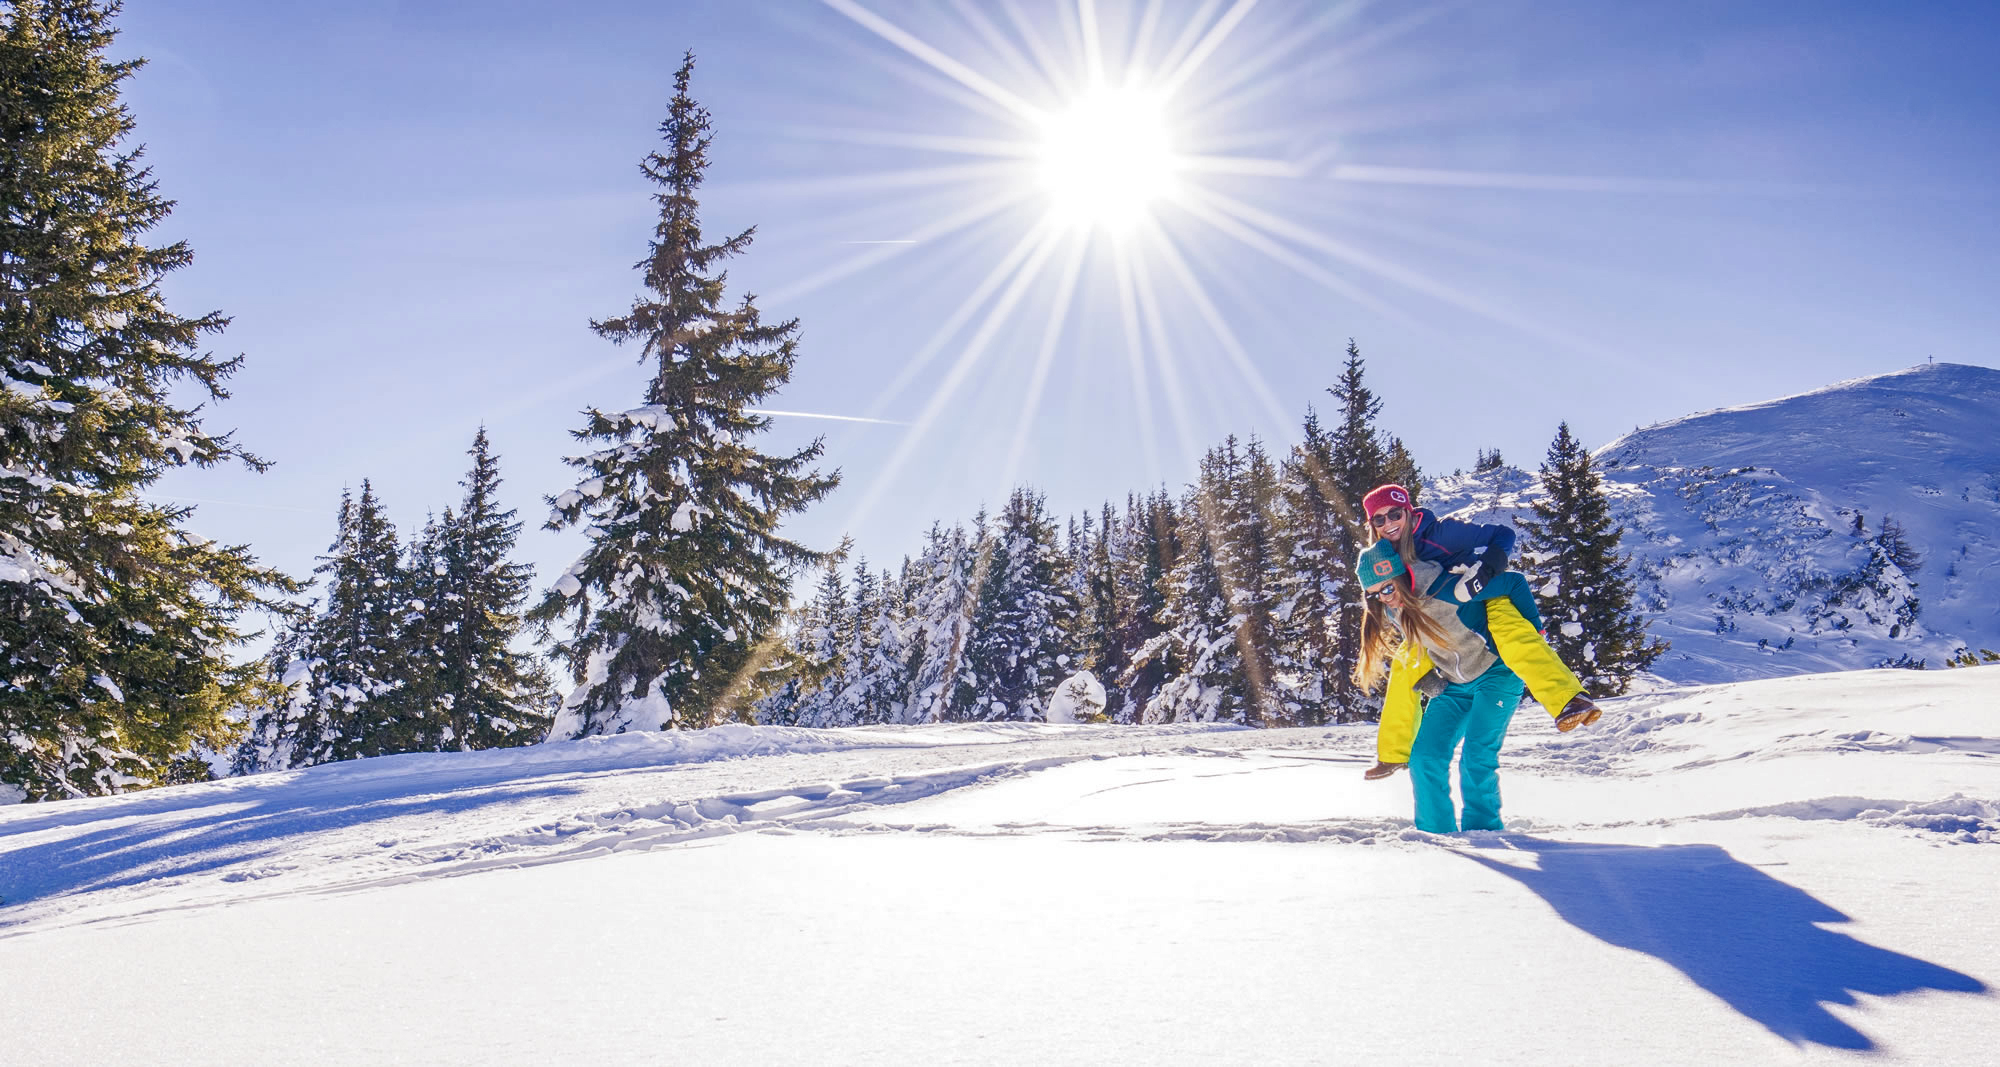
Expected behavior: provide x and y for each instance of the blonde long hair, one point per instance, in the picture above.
(1413, 626)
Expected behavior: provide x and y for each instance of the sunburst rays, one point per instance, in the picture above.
(1241, 168)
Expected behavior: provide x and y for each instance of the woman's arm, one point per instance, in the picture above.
(1451, 542)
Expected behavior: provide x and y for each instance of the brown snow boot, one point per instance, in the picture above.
(1580, 711)
(1382, 770)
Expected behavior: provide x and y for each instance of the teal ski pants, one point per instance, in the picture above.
(1477, 713)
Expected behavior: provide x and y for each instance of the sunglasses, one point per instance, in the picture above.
(1386, 516)
(1384, 592)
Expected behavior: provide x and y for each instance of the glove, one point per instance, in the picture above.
(1470, 582)
(1382, 770)
(1432, 683)
(1475, 575)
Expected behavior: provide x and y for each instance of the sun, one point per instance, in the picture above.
(1107, 158)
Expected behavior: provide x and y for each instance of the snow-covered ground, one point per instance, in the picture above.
(1790, 870)
(1741, 524)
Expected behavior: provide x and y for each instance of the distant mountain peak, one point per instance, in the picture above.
(1756, 529)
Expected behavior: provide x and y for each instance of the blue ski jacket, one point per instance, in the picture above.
(1451, 543)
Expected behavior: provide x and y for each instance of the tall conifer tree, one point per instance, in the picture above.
(1019, 646)
(821, 665)
(1199, 655)
(686, 572)
(358, 636)
(1253, 552)
(1354, 461)
(115, 619)
(488, 692)
(1319, 571)
(941, 606)
(1585, 590)
(1143, 644)
(1097, 621)
(881, 684)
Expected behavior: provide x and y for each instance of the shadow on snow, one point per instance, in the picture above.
(234, 831)
(1748, 938)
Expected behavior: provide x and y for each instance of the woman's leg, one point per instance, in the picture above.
(1522, 647)
(1490, 704)
(1400, 710)
(1430, 758)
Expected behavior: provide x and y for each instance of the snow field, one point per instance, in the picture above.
(1795, 870)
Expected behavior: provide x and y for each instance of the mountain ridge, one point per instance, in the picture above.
(1756, 531)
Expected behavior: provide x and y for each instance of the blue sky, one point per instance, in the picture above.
(1611, 214)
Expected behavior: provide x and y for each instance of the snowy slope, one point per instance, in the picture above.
(1741, 524)
(1790, 870)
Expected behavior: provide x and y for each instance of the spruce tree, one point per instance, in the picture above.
(423, 709)
(1585, 590)
(282, 716)
(1204, 672)
(858, 647)
(115, 618)
(358, 637)
(488, 693)
(1097, 588)
(1318, 567)
(339, 665)
(686, 572)
(1143, 640)
(1352, 460)
(948, 575)
(1019, 647)
(880, 687)
(825, 634)
(1252, 555)
(1882, 589)
(1400, 467)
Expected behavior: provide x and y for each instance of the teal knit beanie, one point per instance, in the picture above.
(1379, 561)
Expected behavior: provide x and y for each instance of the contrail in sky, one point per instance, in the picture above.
(836, 418)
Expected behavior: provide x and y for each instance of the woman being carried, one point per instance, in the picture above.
(1472, 562)
(1450, 642)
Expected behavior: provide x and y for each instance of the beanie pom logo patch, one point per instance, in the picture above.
(1384, 568)
(1399, 496)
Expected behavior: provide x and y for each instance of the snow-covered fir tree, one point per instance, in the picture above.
(1151, 551)
(1204, 679)
(1400, 467)
(284, 709)
(116, 620)
(357, 640)
(1262, 591)
(1581, 580)
(422, 706)
(1019, 645)
(947, 578)
(1318, 569)
(338, 670)
(467, 601)
(879, 684)
(1881, 590)
(686, 573)
(1352, 459)
(819, 666)
(1097, 597)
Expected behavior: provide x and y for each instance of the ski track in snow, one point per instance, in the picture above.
(1734, 752)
